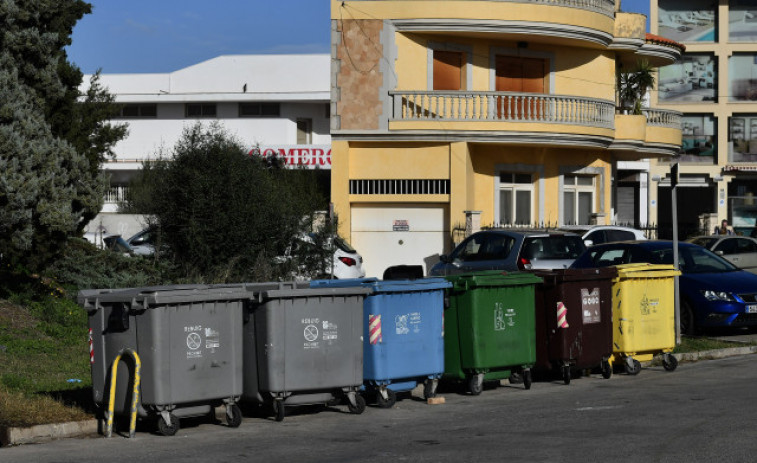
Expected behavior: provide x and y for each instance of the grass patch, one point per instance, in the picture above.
(699, 344)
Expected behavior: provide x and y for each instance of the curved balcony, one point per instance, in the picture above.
(566, 22)
(462, 106)
(663, 118)
(655, 132)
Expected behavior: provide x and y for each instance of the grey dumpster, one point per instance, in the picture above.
(189, 340)
(304, 346)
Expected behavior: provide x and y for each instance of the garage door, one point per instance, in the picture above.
(387, 235)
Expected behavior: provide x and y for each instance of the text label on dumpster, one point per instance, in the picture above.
(408, 322)
(503, 317)
(197, 335)
(649, 306)
(317, 331)
(590, 306)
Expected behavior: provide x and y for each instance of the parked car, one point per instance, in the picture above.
(344, 263)
(741, 251)
(109, 242)
(714, 292)
(511, 251)
(143, 242)
(598, 234)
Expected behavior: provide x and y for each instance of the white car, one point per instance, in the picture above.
(598, 234)
(345, 261)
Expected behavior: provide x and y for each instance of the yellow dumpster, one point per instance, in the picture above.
(643, 314)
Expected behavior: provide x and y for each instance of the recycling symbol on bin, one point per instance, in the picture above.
(194, 341)
(311, 333)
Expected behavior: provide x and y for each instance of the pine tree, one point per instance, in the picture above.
(51, 144)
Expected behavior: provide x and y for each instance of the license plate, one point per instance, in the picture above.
(752, 308)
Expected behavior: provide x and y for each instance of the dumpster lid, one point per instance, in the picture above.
(314, 292)
(493, 278)
(646, 271)
(386, 286)
(578, 274)
(166, 294)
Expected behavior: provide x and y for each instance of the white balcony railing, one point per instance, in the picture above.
(663, 118)
(502, 106)
(606, 7)
(116, 194)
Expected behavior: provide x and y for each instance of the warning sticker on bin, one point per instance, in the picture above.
(194, 341)
(649, 306)
(590, 306)
(503, 317)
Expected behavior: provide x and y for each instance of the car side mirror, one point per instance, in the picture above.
(588, 243)
(720, 253)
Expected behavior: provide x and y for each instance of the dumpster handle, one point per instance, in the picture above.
(135, 393)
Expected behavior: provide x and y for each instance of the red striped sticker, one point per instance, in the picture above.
(374, 329)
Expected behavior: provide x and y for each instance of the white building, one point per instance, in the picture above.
(277, 102)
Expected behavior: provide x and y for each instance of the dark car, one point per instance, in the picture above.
(511, 251)
(714, 293)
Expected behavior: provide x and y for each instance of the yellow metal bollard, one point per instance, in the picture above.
(135, 393)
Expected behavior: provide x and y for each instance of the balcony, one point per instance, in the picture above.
(464, 106)
(580, 22)
(655, 132)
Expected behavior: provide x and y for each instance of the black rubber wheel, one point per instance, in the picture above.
(527, 379)
(236, 416)
(516, 377)
(427, 390)
(606, 369)
(359, 406)
(391, 399)
(688, 325)
(279, 410)
(633, 370)
(475, 386)
(167, 430)
(566, 374)
(669, 362)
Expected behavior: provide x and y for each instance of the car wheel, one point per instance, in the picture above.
(688, 325)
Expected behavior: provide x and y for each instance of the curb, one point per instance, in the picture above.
(44, 432)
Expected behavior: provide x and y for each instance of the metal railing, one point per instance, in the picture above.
(606, 7)
(502, 106)
(116, 194)
(663, 118)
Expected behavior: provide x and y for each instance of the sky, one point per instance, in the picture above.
(143, 36)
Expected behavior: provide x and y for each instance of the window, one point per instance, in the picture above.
(448, 70)
(259, 109)
(138, 111)
(515, 198)
(200, 110)
(484, 246)
(304, 131)
(578, 199)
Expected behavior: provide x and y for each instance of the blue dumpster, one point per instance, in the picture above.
(403, 334)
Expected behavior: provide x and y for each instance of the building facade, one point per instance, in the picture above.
(276, 104)
(495, 112)
(715, 87)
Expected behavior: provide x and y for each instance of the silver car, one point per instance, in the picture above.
(511, 251)
(741, 251)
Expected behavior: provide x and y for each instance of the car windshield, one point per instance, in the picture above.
(704, 241)
(694, 260)
(553, 247)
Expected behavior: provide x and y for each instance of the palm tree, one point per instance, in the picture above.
(633, 85)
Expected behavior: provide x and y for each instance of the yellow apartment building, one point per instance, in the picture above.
(491, 112)
(714, 85)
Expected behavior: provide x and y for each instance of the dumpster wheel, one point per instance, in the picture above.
(233, 416)
(566, 374)
(669, 362)
(391, 399)
(279, 410)
(359, 406)
(606, 369)
(168, 429)
(632, 367)
(527, 378)
(429, 389)
(476, 384)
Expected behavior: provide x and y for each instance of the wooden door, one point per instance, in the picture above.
(522, 75)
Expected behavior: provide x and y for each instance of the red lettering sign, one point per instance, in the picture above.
(309, 156)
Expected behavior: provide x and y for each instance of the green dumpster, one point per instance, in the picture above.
(490, 327)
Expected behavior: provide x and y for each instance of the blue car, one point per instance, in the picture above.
(714, 293)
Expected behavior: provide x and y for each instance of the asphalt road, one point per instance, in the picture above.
(702, 412)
